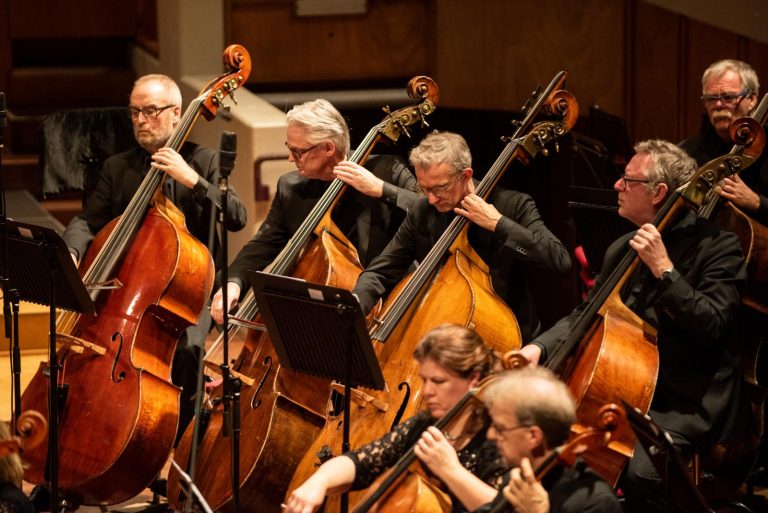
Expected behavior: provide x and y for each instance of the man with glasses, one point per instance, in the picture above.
(192, 185)
(688, 287)
(507, 232)
(368, 213)
(731, 90)
(532, 412)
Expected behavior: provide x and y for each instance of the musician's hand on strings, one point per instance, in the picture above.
(651, 250)
(169, 161)
(436, 452)
(737, 192)
(233, 294)
(524, 492)
(359, 178)
(480, 212)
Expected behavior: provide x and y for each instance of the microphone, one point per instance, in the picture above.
(227, 153)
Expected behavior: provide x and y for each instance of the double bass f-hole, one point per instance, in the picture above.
(403, 385)
(120, 376)
(255, 401)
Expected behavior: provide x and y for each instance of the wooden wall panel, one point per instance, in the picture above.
(491, 54)
(390, 41)
(656, 49)
(48, 19)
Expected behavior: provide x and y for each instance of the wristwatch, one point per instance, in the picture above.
(665, 273)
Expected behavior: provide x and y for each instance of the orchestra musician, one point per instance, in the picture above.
(317, 139)
(452, 360)
(192, 185)
(531, 414)
(507, 232)
(730, 89)
(688, 287)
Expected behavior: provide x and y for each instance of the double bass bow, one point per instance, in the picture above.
(451, 269)
(282, 410)
(119, 411)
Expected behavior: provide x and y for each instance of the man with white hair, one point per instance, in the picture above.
(730, 89)
(368, 214)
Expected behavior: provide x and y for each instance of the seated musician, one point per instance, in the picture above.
(730, 89)
(531, 413)
(507, 232)
(192, 185)
(452, 360)
(370, 211)
(688, 286)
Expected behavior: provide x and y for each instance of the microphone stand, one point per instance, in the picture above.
(10, 296)
(231, 392)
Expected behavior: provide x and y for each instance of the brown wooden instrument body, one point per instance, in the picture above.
(281, 414)
(414, 492)
(119, 420)
(619, 361)
(460, 293)
(753, 237)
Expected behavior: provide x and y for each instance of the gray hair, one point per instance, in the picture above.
(171, 88)
(669, 163)
(322, 122)
(442, 148)
(537, 398)
(746, 74)
(11, 470)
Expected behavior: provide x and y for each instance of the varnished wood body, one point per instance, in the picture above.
(413, 493)
(120, 417)
(460, 293)
(280, 415)
(619, 361)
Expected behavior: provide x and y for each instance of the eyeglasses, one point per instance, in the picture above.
(501, 429)
(297, 153)
(727, 99)
(624, 181)
(150, 112)
(439, 190)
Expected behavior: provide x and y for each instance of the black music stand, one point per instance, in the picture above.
(665, 457)
(41, 268)
(319, 330)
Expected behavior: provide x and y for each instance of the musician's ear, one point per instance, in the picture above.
(659, 194)
(474, 379)
(537, 442)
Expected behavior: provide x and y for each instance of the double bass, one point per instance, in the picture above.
(451, 269)
(281, 411)
(610, 353)
(118, 410)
